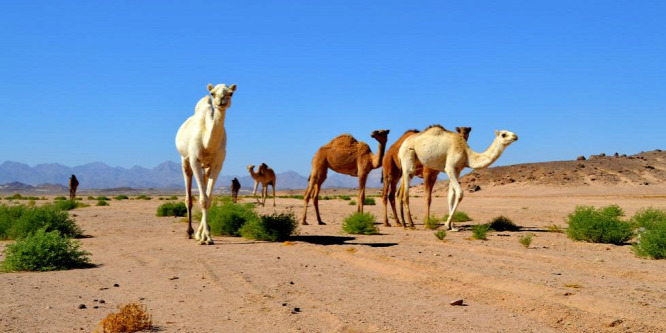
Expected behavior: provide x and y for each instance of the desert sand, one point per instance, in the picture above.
(327, 281)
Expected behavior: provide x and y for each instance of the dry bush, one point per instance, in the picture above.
(132, 317)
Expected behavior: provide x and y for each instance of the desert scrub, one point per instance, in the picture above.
(369, 202)
(440, 234)
(458, 216)
(16, 196)
(102, 198)
(601, 225)
(174, 209)
(60, 198)
(44, 251)
(352, 203)
(69, 204)
(132, 317)
(143, 197)
(503, 223)
(102, 203)
(227, 218)
(344, 197)
(121, 197)
(651, 240)
(360, 223)
(432, 222)
(20, 221)
(273, 228)
(526, 240)
(479, 231)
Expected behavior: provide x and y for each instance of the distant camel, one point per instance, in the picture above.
(345, 155)
(265, 176)
(202, 144)
(73, 185)
(446, 151)
(391, 173)
(235, 187)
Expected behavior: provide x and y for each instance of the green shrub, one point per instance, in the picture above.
(440, 234)
(121, 197)
(360, 223)
(526, 240)
(274, 227)
(89, 198)
(174, 209)
(228, 218)
(19, 221)
(66, 204)
(352, 203)
(432, 222)
(503, 223)
(598, 225)
(44, 251)
(648, 218)
(102, 203)
(60, 198)
(16, 196)
(651, 242)
(143, 197)
(344, 197)
(173, 197)
(458, 216)
(101, 197)
(479, 231)
(368, 202)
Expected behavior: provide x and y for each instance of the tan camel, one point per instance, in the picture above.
(265, 176)
(392, 173)
(446, 151)
(73, 185)
(202, 144)
(344, 155)
(235, 187)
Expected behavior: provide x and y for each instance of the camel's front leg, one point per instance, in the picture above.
(187, 175)
(362, 178)
(273, 194)
(406, 180)
(264, 194)
(455, 196)
(210, 177)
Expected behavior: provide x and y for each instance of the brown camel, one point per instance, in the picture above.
(73, 185)
(235, 187)
(265, 176)
(392, 173)
(344, 155)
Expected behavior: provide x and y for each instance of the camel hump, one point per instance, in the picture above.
(436, 127)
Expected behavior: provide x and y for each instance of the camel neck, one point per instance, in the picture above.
(215, 131)
(482, 160)
(379, 156)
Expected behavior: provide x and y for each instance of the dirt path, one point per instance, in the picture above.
(327, 281)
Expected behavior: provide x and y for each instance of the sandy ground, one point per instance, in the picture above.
(327, 281)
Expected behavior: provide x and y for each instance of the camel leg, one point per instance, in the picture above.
(391, 197)
(455, 196)
(362, 178)
(430, 178)
(254, 192)
(273, 194)
(306, 200)
(264, 194)
(402, 205)
(204, 201)
(210, 177)
(315, 202)
(406, 179)
(385, 194)
(187, 174)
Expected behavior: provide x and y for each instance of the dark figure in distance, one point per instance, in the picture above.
(235, 187)
(73, 184)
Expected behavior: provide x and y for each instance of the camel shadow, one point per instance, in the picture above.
(335, 240)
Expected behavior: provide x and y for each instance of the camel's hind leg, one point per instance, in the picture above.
(187, 175)
(455, 196)
(385, 193)
(362, 178)
(430, 178)
(273, 184)
(264, 194)
(404, 187)
(391, 197)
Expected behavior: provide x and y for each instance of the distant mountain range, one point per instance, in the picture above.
(167, 175)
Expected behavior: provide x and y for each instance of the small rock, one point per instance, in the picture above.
(615, 323)
(101, 301)
(284, 304)
(291, 282)
(557, 273)
(568, 294)
(96, 307)
(82, 306)
(581, 158)
(173, 278)
(457, 302)
(116, 285)
(296, 310)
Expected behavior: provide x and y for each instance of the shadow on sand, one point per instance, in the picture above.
(335, 240)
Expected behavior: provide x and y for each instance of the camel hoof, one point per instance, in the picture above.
(454, 229)
(321, 223)
(305, 223)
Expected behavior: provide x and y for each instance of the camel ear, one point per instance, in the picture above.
(458, 129)
(210, 87)
(233, 87)
(497, 133)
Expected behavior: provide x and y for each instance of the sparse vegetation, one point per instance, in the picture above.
(599, 225)
(102, 203)
(526, 240)
(344, 197)
(69, 204)
(121, 197)
(60, 198)
(432, 222)
(227, 218)
(554, 228)
(16, 196)
(19, 221)
(440, 234)
(369, 202)
(276, 227)
(360, 223)
(132, 317)
(479, 231)
(174, 209)
(101, 197)
(143, 197)
(503, 223)
(352, 203)
(651, 240)
(458, 216)
(44, 251)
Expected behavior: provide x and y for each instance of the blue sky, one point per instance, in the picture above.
(85, 81)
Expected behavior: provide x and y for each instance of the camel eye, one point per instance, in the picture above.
(504, 135)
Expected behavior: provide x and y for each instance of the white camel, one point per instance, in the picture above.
(439, 149)
(202, 144)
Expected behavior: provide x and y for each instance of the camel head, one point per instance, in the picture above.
(505, 137)
(221, 95)
(250, 167)
(380, 135)
(464, 131)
